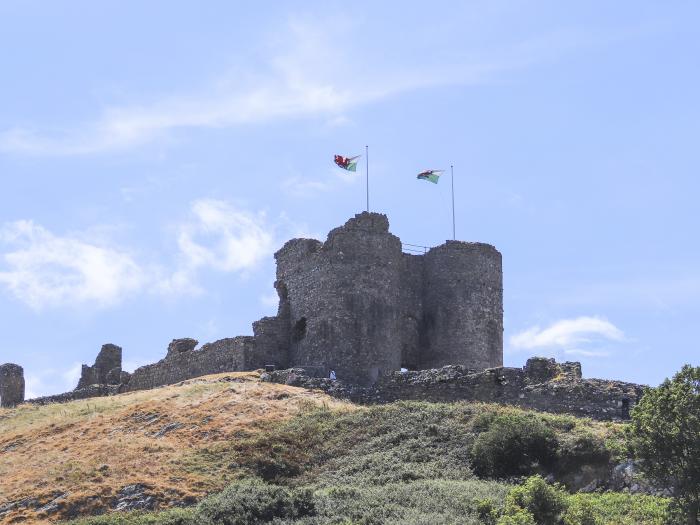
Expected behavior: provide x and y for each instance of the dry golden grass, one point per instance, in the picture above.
(92, 448)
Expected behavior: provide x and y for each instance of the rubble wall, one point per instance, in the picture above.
(225, 355)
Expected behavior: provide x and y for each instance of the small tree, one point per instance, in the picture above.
(665, 436)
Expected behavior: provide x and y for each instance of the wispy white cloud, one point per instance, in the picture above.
(47, 270)
(43, 269)
(304, 75)
(586, 353)
(223, 237)
(579, 336)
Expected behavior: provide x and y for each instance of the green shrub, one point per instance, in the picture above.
(544, 501)
(251, 502)
(487, 511)
(614, 508)
(168, 517)
(517, 517)
(513, 445)
(581, 449)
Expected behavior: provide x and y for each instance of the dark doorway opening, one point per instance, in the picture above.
(625, 409)
(299, 330)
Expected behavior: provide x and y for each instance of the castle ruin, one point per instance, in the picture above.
(358, 305)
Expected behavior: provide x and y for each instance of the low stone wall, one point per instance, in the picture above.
(542, 385)
(78, 393)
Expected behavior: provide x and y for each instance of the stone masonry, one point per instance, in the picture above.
(360, 306)
(11, 385)
(106, 370)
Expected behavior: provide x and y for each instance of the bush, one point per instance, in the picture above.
(545, 502)
(517, 517)
(486, 511)
(252, 502)
(168, 517)
(581, 449)
(614, 508)
(513, 445)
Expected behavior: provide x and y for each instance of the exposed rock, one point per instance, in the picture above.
(168, 428)
(53, 505)
(134, 497)
(627, 477)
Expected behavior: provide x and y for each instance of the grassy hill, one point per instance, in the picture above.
(272, 453)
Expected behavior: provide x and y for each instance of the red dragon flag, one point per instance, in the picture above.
(347, 163)
(430, 175)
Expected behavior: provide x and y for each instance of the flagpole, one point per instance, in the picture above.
(367, 173)
(452, 173)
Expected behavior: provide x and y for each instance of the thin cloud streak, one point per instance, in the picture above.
(567, 335)
(301, 80)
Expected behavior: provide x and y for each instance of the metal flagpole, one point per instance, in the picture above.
(452, 172)
(367, 173)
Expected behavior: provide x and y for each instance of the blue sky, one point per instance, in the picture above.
(154, 155)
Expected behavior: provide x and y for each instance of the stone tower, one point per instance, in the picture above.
(360, 306)
(462, 306)
(11, 385)
(343, 300)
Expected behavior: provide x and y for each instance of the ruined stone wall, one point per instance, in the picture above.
(462, 306)
(225, 355)
(559, 389)
(106, 370)
(11, 385)
(271, 343)
(79, 393)
(344, 299)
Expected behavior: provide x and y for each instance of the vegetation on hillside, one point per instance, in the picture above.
(269, 453)
(81, 454)
(411, 463)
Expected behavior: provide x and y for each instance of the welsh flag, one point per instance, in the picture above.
(347, 163)
(430, 175)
